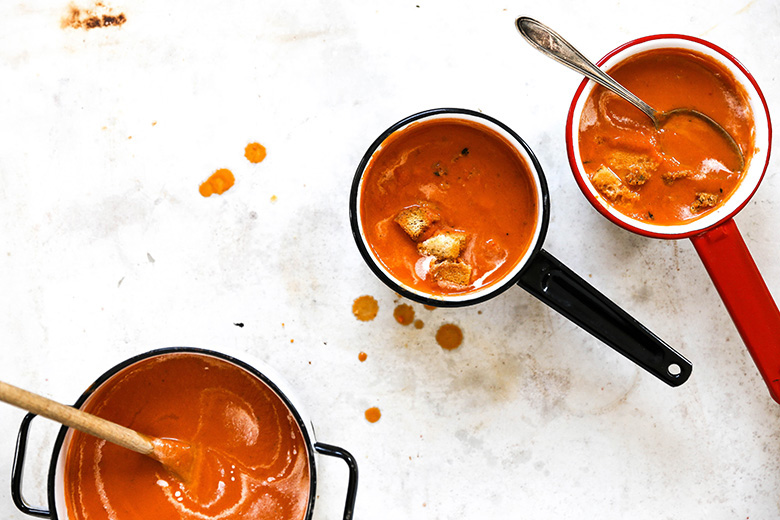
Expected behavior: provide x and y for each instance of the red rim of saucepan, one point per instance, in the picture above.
(580, 177)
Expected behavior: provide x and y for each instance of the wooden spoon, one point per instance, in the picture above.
(176, 456)
(554, 46)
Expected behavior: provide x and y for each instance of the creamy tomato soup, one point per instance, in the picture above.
(682, 171)
(448, 206)
(250, 457)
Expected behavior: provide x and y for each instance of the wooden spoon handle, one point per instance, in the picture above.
(76, 419)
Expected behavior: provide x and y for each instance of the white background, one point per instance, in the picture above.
(108, 250)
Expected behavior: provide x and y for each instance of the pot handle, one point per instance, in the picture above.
(335, 451)
(746, 296)
(559, 287)
(18, 471)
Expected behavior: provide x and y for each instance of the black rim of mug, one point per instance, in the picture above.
(354, 214)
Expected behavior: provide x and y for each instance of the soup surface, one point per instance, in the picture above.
(250, 457)
(682, 171)
(448, 206)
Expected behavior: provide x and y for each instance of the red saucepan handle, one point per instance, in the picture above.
(746, 297)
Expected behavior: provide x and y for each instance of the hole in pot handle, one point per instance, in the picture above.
(335, 451)
(18, 471)
(559, 287)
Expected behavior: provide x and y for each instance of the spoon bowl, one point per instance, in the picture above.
(554, 46)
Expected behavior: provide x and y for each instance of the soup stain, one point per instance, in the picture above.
(449, 336)
(404, 314)
(418, 324)
(100, 15)
(254, 152)
(362, 356)
(365, 308)
(373, 414)
(219, 182)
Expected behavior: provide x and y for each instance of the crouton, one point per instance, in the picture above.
(637, 163)
(637, 178)
(444, 246)
(704, 200)
(448, 272)
(670, 177)
(609, 184)
(416, 220)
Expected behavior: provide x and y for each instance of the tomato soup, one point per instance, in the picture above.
(684, 170)
(250, 455)
(448, 206)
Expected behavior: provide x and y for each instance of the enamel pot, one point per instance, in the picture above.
(538, 272)
(715, 235)
(55, 488)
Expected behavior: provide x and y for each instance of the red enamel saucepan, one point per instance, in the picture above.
(714, 235)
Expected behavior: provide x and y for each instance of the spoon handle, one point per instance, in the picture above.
(553, 45)
(75, 418)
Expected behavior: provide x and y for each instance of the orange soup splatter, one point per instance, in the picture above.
(365, 308)
(219, 182)
(404, 314)
(254, 152)
(682, 171)
(98, 16)
(362, 356)
(418, 324)
(373, 414)
(448, 206)
(250, 457)
(449, 336)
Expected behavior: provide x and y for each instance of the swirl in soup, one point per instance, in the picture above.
(250, 458)
(684, 170)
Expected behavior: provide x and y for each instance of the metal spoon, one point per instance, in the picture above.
(553, 45)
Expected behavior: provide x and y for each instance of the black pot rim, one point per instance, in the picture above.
(354, 215)
(58, 444)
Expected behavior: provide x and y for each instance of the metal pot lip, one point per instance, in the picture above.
(308, 439)
(480, 296)
(674, 232)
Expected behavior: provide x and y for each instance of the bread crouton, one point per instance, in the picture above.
(637, 178)
(636, 163)
(704, 200)
(638, 166)
(452, 272)
(415, 220)
(670, 177)
(444, 246)
(609, 184)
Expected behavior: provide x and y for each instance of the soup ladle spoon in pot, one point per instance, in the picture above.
(554, 46)
(176, 456)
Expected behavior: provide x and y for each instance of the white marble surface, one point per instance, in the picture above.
(107, 250)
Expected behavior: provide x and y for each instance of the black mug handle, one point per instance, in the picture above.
(562, 289)
(18, 471)
(335, 451)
